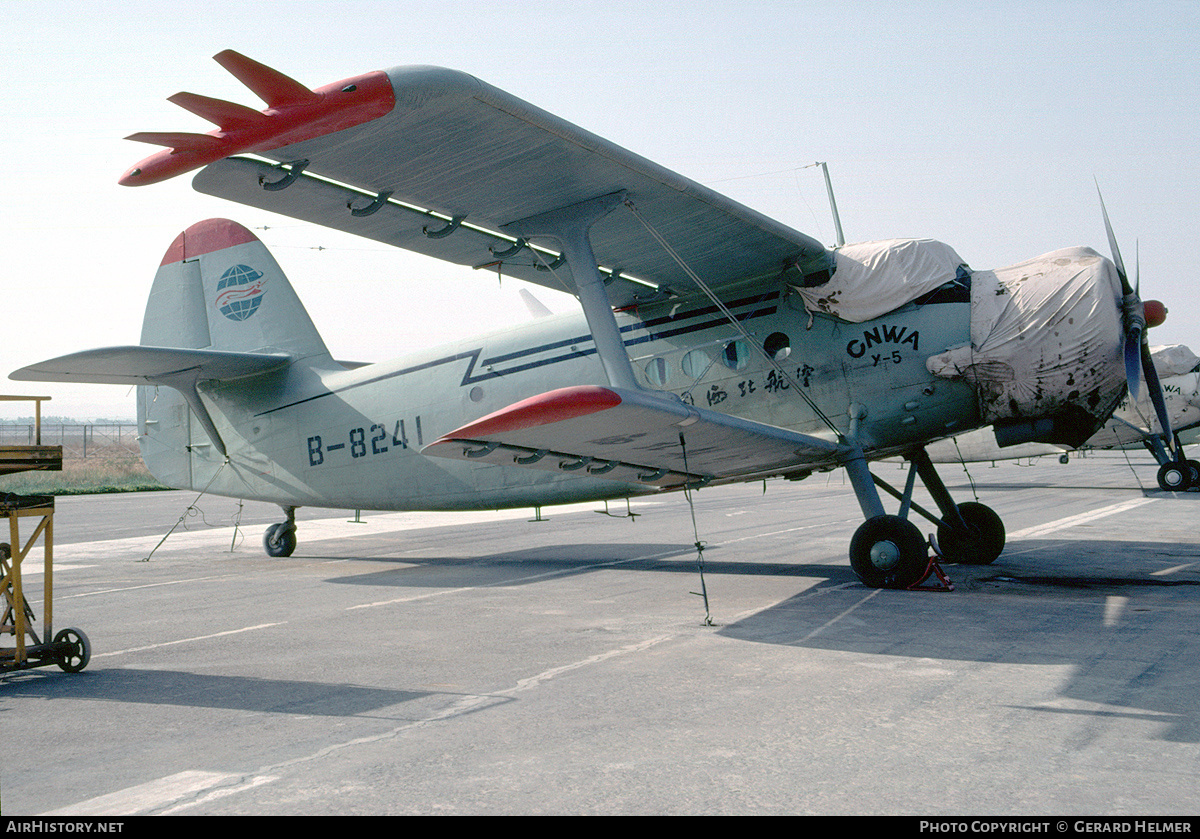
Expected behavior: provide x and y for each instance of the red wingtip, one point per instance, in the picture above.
(230, 116)
(295, 114)
(268, 84)
(554, 406)
(177, 140)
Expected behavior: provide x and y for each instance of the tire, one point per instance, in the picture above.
(279, 539)
(1174, 476)
(980, 544)
(74, 649)
(888, 552)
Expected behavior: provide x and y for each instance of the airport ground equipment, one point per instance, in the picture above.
(70, 648)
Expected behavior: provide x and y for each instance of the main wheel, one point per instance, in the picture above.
(279, 540)
(980, 543)
(888, 552)
(1174, 476)
(1194, 473)
(73, 648)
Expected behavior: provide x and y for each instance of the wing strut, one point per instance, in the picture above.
(570, 225)
(855, 461)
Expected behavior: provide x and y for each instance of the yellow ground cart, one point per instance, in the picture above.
(70, 648)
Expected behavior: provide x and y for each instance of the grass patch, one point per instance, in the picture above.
(84, 476)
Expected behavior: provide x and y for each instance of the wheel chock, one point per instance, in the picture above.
(933, 569)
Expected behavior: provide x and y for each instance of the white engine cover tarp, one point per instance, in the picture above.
(1044, 334)
(873, 278)
(1173, 360)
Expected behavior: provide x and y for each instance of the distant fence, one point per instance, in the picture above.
(78, 440)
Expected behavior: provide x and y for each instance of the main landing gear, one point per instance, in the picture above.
(280, 539)
(1175, 474)
(889, 551)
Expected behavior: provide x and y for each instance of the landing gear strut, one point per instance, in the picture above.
(889, 551)
(280, 539)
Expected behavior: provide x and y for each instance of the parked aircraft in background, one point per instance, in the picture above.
(715, 344)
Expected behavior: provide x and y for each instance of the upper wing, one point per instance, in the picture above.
(635, 437)
(455, 148)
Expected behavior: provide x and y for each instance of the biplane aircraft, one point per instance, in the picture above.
(1133, 425)
(715, 345)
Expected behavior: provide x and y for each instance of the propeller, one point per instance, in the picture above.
(1137, 344)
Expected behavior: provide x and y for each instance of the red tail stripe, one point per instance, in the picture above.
(203, 237)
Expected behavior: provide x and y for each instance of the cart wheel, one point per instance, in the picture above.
(74, 649)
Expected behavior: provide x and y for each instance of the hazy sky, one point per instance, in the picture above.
(980, 124)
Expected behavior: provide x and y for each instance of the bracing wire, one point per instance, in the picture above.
(698, 543)
(188, 511)
(737, 324)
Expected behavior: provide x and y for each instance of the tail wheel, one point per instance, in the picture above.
(280, 539)
(889, 552)
(980, 543)
(1174, 476)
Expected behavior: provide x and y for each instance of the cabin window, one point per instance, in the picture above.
(695, 363)
(778, 346)
(736, 355)
(657, 372)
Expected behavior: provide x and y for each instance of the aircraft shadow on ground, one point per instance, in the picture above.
(530, 565)
(1129, 635)
(207, 690)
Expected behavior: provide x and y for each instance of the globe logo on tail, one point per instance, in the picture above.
(239, 292)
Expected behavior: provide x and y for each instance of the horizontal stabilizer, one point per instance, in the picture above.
(181, 369)
(137, 365)
(629, 436)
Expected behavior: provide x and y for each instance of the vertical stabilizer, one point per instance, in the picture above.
(219, 287)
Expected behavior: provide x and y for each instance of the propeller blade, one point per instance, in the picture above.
(1133, 313)
(1112, 246)
(1137, 347)
(1133, 365)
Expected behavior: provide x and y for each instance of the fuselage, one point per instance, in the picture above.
(352, 438)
